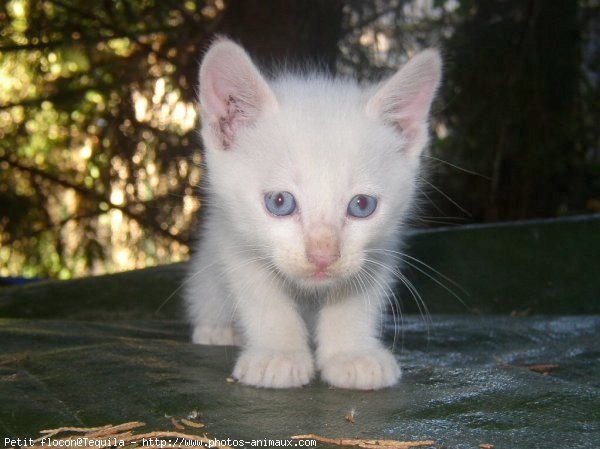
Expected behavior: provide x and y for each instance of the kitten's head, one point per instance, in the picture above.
(313, 173)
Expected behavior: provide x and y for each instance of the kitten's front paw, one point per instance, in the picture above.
(215, 335)
(361, 371)
(269, 369)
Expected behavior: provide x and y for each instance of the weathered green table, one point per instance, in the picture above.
(95, 351)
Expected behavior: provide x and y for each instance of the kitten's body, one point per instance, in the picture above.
(328, 148)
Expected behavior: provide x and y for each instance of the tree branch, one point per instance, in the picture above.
(88, 193)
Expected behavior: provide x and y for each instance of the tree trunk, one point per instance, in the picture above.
(286, 31)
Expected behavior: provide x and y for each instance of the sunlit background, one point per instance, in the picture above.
(100, 160)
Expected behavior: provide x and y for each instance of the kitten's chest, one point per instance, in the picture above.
(309, 304)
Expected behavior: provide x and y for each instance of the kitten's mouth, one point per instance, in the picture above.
(321, 275)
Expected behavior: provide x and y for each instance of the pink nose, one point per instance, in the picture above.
(322, 259)
(322, 246)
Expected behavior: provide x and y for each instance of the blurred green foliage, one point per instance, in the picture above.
(100, 160)
(96, 126)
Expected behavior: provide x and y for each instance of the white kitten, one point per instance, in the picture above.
(310, 180)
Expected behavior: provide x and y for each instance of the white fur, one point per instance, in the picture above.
(324, 141)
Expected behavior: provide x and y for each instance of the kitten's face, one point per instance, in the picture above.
(316, 191)
(311, 173)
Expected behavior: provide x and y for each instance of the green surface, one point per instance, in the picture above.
(96, 351)
(545, 266)
(466, 384)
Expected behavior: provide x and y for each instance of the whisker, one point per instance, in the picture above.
(446, 217)
(403, 256)
(365, 290)
(433, 203)
(191, 277)
(421, 305)
(441, 284)
(471, 172)
(438, 222)
(465, 211)
(267, 273)
(396, 302)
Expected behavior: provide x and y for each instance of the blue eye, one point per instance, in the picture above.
(361, 206)
(280, 203)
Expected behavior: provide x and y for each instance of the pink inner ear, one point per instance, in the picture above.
(230, 122)
(219, 104)
(414, 111)
(210, 95)
(405, 99)
(232, 91)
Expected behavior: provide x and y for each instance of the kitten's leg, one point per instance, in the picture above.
(349, 354)
(210, 307)
(276, 352)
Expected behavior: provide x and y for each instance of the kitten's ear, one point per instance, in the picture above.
(404, 100)
(233, 93)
